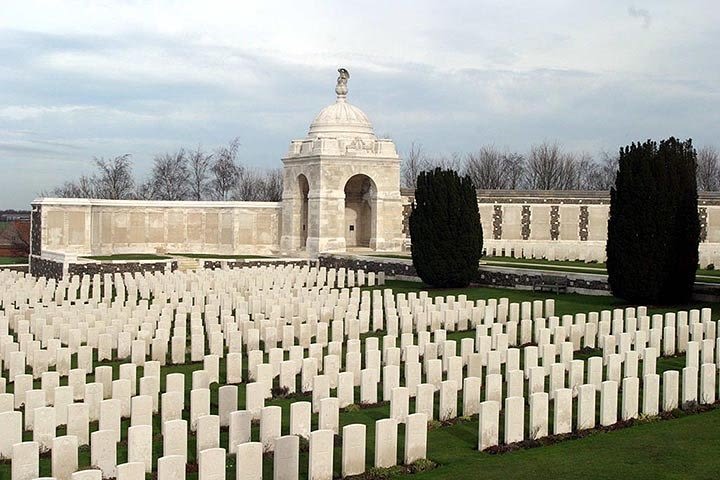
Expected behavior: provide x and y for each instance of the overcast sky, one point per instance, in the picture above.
(80, 79)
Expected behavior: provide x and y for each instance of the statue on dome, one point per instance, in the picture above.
(341, 88)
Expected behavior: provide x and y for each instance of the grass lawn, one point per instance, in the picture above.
(211, 256)
(703, 275)
(567, 266)
(681, 448)
(128, 256)
(13, 260)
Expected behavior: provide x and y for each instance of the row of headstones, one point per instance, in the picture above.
(433, 368)
(16, 359)
(212, 459)
(122, 341)
(489, 357)
(217, 345)
(43, 291)
(547, 250)
(673, 396)
(122, 389)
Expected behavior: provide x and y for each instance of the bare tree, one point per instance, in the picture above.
(225, 171)
(249, 185)
(514, 167)
(605, 172)
(708, 169)
(84, 187)
(485, 168)
(273, 185)
(145, 190)
(170, 176)
(585, 170)
(199, 165)
(491, 169)
(115, 179)
(454, 161)
(549, 168)
(414, 162)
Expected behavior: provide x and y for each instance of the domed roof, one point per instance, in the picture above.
(341, 119)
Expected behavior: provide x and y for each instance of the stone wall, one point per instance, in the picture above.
(564, 225)
(392, 267)
(84, 227)
(41, 267)
(218, 264)
(120, 267)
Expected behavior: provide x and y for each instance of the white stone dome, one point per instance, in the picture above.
(341, 119)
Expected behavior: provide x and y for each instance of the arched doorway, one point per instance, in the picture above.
(360, 211)
(303, 188)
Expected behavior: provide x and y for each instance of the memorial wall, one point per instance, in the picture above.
(558, 225)
(81, 227)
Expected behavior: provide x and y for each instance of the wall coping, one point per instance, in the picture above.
(534, 194)
(97, 202)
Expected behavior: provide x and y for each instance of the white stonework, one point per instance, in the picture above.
(341, 184)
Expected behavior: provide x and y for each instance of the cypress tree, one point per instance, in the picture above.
(654, 228)
(445, 229)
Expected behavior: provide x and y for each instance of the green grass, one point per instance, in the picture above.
(565, 303)
(672, 449)
(567, 266)
(13, 260)
(128, 256)
(392, 255)
(211, 256)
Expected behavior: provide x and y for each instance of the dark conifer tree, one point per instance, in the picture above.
(445, 229)
(654, 228)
